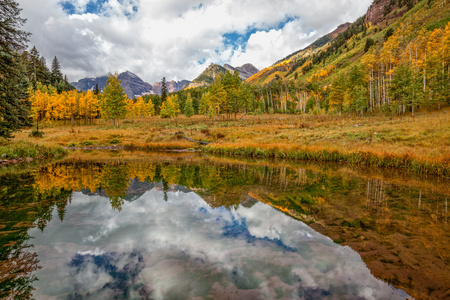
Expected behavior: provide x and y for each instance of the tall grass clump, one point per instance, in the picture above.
(314, 153)
(16, 150)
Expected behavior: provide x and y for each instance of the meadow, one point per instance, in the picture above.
(420, 143)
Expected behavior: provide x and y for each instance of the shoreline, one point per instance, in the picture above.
(384, 160)
(420, 144)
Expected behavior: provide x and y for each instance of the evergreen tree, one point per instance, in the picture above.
(56, 72)
(33, 65)
(114, 100)
(13, 111)
(163, 90)
(44, 75)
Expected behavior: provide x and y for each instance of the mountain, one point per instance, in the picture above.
(320, 42)
(379, 10)
(131, 83)
(245, 71)
(283, 64)
(172, 86)
(348, 44)
(208, 76)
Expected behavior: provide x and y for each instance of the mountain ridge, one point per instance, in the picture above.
(132, 84)
(208, 76)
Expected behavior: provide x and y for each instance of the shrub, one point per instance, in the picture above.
(37, 134)
(86, 143)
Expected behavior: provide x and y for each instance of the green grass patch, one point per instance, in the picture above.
(86, 143)
(25, 150)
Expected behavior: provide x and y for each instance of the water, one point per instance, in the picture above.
(189, 227)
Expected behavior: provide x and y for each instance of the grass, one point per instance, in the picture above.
(419, 143)
(23, 150)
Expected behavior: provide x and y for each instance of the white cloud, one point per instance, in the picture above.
(178, 39)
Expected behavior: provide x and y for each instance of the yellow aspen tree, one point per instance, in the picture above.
(130, 108)
(435, 45)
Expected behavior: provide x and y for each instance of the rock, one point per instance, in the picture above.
(378, 11)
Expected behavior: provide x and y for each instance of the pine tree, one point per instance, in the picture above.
(96, 90)
(56, 72)
(114, 100)
(13, 111)
(163, 90)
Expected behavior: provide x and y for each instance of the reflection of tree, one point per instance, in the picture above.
(115, 181)
(23, 206)
(346, 206)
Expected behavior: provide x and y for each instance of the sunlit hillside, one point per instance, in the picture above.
(397, 65)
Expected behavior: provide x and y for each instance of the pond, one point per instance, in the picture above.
(186, 226)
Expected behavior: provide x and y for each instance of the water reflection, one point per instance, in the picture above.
(183, 248)
(225, 239)
(23, 207)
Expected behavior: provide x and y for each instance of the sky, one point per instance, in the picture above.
(177, 39)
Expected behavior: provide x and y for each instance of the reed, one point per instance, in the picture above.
(366, 158)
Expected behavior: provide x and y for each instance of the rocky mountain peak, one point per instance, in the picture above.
(131, 83)
(380, 10)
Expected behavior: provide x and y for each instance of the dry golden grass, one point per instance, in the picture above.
(423, 139)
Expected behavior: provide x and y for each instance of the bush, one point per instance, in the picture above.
(3, 141)
(37, 134)
(114, 141)
(86, 143)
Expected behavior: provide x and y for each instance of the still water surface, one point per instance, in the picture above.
(192, 227)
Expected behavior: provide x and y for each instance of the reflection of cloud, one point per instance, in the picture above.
(184, 248)
(117, 273)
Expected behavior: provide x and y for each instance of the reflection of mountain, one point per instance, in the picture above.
(181, 248)
(137, 188)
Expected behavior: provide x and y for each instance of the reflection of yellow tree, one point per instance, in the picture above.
(115, 181)
(142, 171)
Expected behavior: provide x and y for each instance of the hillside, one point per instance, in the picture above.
(208, 76)
(322, 41)
(392, 59)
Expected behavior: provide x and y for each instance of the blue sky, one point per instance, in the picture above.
(177, 39)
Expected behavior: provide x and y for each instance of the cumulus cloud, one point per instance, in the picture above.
(177, 39)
